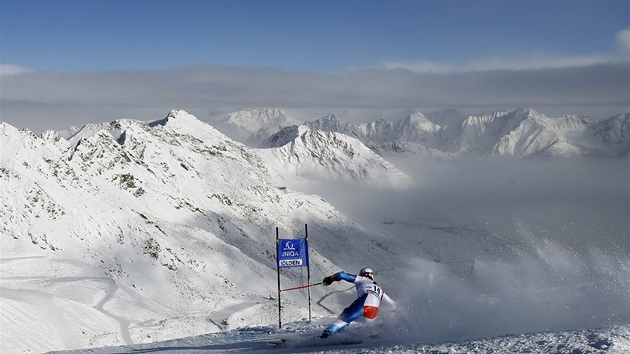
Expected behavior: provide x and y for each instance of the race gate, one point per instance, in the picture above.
(293, 252)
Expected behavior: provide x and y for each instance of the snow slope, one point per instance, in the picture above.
(166, 210)
(615, 340)
(156, 209)
(130, 233)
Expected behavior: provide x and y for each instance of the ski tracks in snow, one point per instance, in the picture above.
(110, 291)
(112, 287)
(222, 317)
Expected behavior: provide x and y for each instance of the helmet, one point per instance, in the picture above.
(366, 272)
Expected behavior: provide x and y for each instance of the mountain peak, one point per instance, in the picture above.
(284, 136)
(420, 121)
(615, 133)
(329, 123)
(331, 117)
(254, 126)
(258, 118)
(330, 156)
(176, 115)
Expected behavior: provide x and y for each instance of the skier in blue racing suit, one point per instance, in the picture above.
(369, 295)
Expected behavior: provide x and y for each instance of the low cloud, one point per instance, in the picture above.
(487, 246)
(48, 100)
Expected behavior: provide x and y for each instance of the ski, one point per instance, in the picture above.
(279, 342)
(311, 342)
(318, 342)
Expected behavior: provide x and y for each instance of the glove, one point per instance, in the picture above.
(328, 280)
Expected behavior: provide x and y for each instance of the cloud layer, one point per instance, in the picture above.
(49, 100)
(536, 245)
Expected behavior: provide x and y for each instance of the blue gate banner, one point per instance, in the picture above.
(292, 253)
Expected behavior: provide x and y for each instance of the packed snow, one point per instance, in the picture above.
(132, 237)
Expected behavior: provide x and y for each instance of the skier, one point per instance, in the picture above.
(369, 298)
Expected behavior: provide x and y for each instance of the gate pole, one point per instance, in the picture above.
(278, 268)
(308, 273)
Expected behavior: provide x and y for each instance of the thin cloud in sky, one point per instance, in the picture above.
(536, 61)
(623, 44)
(533, 61)
(322, 36)
(8, 69)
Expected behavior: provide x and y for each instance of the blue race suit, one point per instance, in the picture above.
(369, 296)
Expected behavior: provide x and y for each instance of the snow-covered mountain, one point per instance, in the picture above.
(614, 132)
(254, 126)
(159, 213)
(414, 134)
(324, 155)
(133, 232)
(521, 132)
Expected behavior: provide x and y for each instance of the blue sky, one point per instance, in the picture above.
(307, 42)
(300, 35)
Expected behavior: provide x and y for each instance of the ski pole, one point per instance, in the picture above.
(301, 287)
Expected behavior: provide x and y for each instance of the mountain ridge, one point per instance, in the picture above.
(521, 132)
(325, 155)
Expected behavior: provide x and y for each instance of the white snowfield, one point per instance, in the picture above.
(142, 237)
